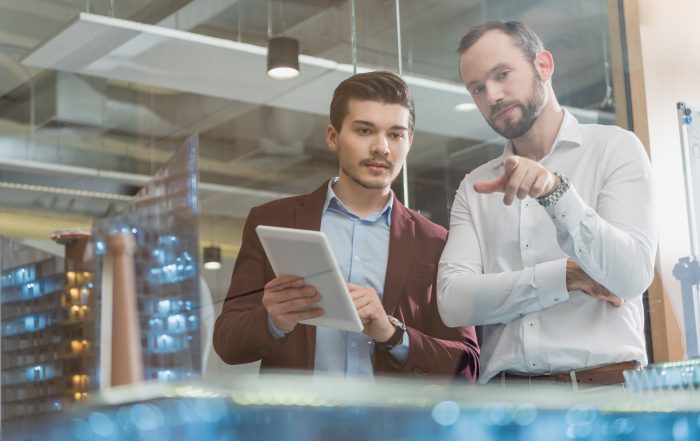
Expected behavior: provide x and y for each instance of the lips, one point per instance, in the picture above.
(504, 112)
(378, 165)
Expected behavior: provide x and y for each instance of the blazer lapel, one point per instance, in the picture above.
(400, 251)
(307, 216)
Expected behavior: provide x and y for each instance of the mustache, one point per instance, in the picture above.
(383, 162)
(501, 106)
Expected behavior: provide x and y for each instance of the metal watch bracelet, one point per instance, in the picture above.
(554, 196)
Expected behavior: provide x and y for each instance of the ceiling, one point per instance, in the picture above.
(99, 102)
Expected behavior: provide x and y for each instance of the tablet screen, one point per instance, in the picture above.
(307, 254)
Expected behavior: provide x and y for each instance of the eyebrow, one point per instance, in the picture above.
(491, 71)
(371, 124)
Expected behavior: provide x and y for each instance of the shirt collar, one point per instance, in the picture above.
(569, 133)
(332, 202)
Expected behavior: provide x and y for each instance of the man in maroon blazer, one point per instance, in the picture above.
(387, 252)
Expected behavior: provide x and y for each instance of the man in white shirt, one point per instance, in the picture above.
(552, 244)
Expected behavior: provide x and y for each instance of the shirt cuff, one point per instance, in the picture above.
(276, 333)
(568, 212)
(550, 282)
(400, 352)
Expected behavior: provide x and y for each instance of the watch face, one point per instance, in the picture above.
(396, 322)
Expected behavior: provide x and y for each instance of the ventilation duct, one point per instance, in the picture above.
(285, 132)
(66, 100)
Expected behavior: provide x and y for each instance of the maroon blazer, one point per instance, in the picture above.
(241, 333)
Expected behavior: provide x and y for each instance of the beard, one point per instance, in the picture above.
(531, 111)
(373, 184)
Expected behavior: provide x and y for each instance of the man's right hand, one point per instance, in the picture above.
(521, 177)
(284, 296)
(577, 279)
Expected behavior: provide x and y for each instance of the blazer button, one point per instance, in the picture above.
(418, 372)
(264, 351)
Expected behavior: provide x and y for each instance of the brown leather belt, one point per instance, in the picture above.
(598, 376)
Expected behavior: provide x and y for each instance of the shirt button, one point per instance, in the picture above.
(532, 325)
(353, 344)
(563, 215)
(533, 363)
(527, 244)
(556, 299)
(357, 258)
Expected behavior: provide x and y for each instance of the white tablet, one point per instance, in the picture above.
(308, 254)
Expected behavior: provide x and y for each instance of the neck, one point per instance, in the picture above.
(360, 200)
(537, 142)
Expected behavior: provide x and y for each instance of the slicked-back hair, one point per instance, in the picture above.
(523, 37)
(381, 86)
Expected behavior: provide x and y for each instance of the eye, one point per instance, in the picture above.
(396, 136)
(502, 75)
(476, 90)
(363, 131)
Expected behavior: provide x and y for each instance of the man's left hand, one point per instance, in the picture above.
(522, 177)
(369, 307)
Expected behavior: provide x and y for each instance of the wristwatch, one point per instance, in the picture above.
(396, 338)
(558, 192)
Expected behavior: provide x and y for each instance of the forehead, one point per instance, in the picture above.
(377, 113)
(493, 48)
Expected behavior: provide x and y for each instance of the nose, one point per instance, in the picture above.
(494, 92)
(380, 146)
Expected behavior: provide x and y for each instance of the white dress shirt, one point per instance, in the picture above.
(504, 267)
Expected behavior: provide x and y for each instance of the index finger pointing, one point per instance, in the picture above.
(491, 186)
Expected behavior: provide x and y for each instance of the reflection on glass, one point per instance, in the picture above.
(75, 130)
(104, 120)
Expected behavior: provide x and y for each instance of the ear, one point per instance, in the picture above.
(544, 64)
(332, 138)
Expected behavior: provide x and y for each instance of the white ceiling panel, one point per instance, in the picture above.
(135, 52)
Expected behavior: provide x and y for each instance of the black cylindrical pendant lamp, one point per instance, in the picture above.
(282, 58)
(212, 258)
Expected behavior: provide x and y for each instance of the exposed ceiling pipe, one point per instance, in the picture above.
(195, 13)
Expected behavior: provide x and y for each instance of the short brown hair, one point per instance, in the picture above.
(381, 86)
(524, 37)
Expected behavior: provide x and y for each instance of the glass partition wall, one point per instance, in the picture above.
(95, 96)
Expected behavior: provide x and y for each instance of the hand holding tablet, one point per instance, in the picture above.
(288, 301)
(307, 254)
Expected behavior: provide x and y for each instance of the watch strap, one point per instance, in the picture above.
(554, 196)
(396, 338)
